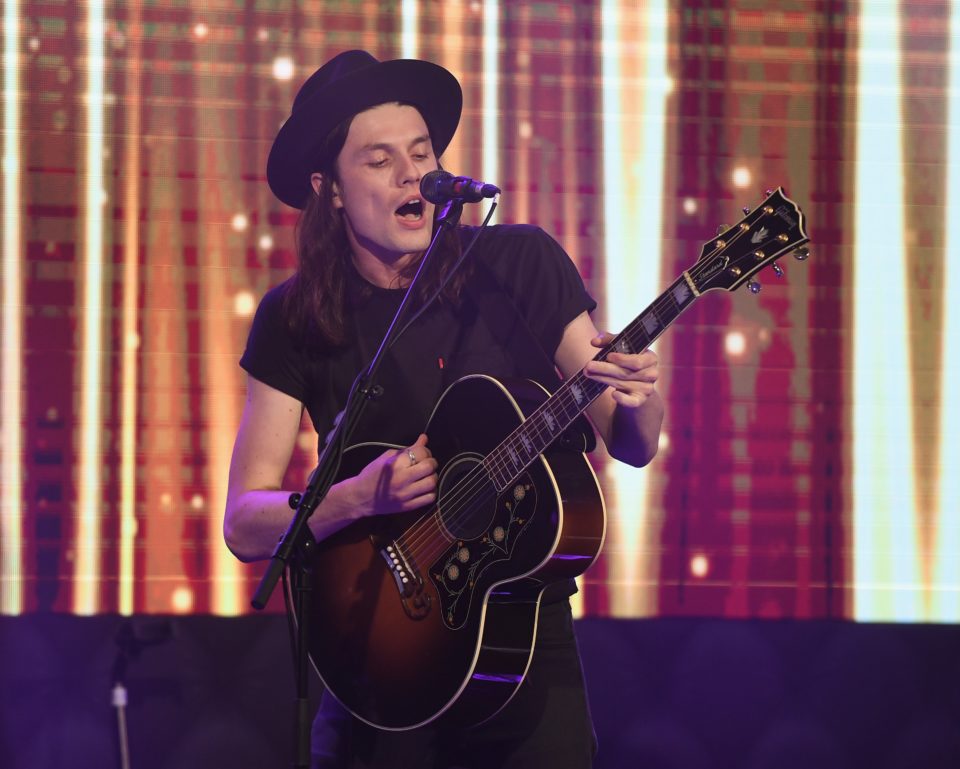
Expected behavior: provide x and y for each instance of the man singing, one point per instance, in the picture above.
(360, 136)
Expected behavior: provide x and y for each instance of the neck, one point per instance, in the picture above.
(382, 271)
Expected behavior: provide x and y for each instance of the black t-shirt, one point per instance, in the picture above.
(538, 285)
(445, 343)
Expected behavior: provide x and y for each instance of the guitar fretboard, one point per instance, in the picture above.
(541, 428)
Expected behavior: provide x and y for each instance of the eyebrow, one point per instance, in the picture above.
(387, 146)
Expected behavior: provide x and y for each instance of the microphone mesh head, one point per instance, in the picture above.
(430, 186)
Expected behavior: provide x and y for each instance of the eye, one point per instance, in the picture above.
(378, 163)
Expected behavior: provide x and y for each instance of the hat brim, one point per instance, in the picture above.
(430, 88)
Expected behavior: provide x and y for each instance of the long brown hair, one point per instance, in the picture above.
(315, 303)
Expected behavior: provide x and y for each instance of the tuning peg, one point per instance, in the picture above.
(754, 287)
(777, 270)
(801, 254)
(746, 210)
(722, 228)
(768, 193)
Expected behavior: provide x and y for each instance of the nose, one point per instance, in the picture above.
(409, 172)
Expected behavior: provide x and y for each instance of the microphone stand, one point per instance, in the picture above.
(296, 547)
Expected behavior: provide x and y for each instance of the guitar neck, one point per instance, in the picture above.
(541, 428)
(772, 229)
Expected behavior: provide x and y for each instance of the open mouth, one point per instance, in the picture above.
(412, 210)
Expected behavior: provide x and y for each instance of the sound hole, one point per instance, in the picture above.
(467, 504)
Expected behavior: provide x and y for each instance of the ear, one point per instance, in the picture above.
(317, 181)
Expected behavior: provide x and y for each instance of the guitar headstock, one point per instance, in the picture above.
(772, 229)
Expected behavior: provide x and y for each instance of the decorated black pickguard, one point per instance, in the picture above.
(463, 570)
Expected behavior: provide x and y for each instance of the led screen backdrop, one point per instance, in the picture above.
(809, 460)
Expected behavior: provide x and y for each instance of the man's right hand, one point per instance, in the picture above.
(397, 481)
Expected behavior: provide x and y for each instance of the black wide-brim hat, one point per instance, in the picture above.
(349, 83)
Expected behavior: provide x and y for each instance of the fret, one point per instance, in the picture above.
(570, 405)
(680, 293)
(527, 445)
(536, 429)
(490, 466)
(650, 322)
(576, 395)
(513, 459)
(495, 471)
(654, 321)
(576, 390)
(501, 474)
(550, 420)
(508, 471)
(593, 388)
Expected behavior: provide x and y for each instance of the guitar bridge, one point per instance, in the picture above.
(400, 567)
(416, 602)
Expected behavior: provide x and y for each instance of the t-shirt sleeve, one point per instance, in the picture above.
(271, 355)
(546, 286)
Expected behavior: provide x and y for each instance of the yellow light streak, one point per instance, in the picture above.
(453, 47)
(409, 21)
(371, 16)
(163, 352)
(131, 347)
(634, 135)
(221, 248)
(228, 596)
(90, 497)
(946, 588)
(491, 88)
(568, 153)
(887, 583)
(521, 128)
(11, 401)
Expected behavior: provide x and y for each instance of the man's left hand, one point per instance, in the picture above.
(631, 375)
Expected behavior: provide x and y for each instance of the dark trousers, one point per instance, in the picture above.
(547, 723)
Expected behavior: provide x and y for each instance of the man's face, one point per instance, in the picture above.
(386, 152)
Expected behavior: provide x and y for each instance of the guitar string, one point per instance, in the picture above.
(498, 466)
(476, 489)
(496, 462)
(470, 487)
(474, 481)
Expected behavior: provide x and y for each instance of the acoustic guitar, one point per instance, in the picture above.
(433, 614)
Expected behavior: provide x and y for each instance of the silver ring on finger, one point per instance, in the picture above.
(412, 456)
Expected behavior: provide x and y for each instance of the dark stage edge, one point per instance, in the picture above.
(665, 693)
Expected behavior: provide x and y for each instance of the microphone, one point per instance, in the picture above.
(440, 187)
